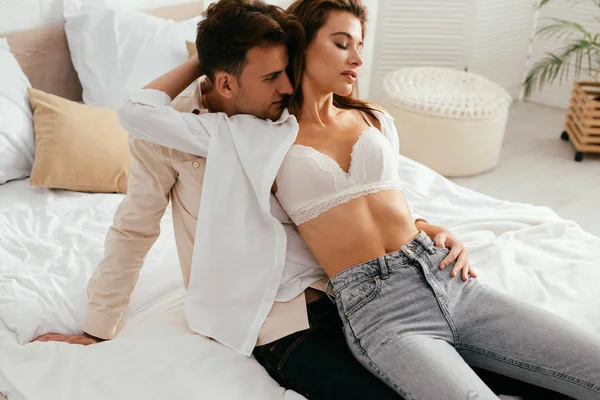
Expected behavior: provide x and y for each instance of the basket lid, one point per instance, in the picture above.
(445, 92)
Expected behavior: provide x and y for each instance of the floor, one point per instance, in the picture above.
(537, 167)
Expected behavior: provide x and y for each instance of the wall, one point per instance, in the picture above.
(16, 15)
(487, 37)
(500, 41)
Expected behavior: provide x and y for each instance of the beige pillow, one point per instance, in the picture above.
(191, 49)
(78, 147)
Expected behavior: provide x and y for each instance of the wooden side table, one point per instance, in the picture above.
(582, 125)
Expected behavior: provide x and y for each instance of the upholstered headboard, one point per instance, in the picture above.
(44, 55)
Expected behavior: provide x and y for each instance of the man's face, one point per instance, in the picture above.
(263, 82)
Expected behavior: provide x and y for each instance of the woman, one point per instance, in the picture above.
(339, 183)
(406, 317)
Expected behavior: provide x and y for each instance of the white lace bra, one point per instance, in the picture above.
(310, 182)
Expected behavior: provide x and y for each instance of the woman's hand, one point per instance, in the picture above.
(84, 339)
(457, 254)
(206, 85)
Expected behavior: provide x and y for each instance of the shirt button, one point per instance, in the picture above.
(196, 164)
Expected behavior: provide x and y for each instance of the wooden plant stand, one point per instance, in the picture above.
(582, 125)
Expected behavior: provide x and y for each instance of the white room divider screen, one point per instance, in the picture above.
(489, 37)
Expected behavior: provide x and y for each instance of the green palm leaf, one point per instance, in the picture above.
(548, 69)
(561, 27)
(580, 54)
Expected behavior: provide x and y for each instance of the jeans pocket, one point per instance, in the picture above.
(273, 357)
(291, 347)
(357, 295)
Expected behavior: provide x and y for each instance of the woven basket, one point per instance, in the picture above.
(449, 120)
(582, 125)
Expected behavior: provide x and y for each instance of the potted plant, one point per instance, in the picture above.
(579, 56)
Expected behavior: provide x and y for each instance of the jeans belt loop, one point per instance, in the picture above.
(329, 293)
(383, 268)
(426, 242)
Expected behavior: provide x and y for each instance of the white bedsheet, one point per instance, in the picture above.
(155, 357)
(526, 251)
(50, 244)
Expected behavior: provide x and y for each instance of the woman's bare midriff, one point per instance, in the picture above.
(360, 230)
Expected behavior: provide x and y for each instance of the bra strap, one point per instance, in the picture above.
(366, 117)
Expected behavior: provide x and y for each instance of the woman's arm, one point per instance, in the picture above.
(441, 236)
(431, 230)
(388, 129)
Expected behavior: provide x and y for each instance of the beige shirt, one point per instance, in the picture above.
(159, 175)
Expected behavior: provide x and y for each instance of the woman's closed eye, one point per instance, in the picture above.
(344, 47)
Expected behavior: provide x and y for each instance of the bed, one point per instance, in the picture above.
(54, 239)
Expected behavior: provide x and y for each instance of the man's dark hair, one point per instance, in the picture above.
(231, 27)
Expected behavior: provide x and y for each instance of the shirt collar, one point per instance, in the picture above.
(285, 116)
(197, 104)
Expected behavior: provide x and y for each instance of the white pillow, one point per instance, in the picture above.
(16, 119)
(117, 51)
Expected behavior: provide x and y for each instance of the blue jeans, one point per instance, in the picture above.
(420, 330)
(318, 364)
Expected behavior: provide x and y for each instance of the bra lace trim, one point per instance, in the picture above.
(312, 210)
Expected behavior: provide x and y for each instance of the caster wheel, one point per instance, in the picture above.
(564, 136)
(579, 156)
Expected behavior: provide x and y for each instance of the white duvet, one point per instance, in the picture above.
(50, 242)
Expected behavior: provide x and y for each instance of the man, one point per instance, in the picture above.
(250, 80)
(301, 343)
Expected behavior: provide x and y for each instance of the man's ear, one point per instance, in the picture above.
(226, 84)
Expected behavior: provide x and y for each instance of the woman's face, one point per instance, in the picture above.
(333, 58)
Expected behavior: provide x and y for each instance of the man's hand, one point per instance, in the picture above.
(175, 81)
(72, 339)
(457, 253)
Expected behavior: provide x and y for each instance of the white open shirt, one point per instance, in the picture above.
(243, 239)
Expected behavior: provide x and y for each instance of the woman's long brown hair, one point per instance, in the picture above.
(313, 14)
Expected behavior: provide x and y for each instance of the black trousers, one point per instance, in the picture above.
(317, 364)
